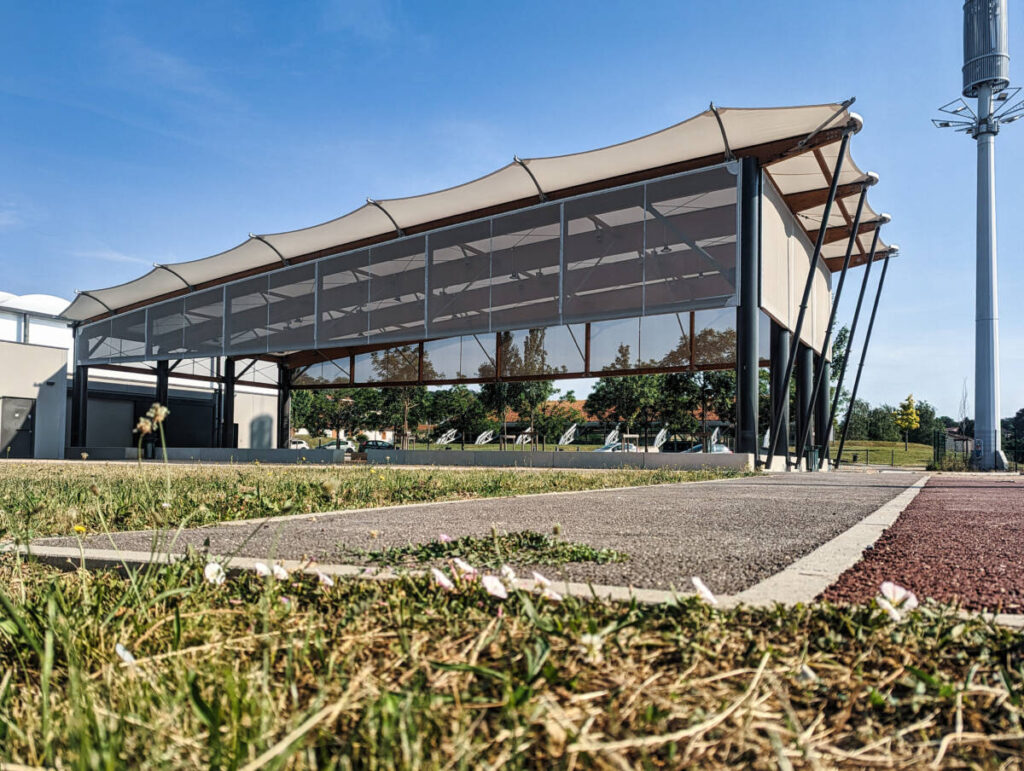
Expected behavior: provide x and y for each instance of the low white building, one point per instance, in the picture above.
(36, 346)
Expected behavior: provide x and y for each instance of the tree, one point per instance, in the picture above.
(906, 419)
(859, 420)
(930, 424)
(553, 418)
(310, 410)
(405, 403)
(840, 351)
(353, 410)
(461, 409)
(882, 425)
(628, 400)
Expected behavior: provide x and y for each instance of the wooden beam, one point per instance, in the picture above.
(798, 202)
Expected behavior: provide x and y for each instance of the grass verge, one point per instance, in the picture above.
(165, 670)
(522, 548)
(55, 499)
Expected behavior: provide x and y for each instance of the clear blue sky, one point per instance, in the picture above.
(138, 132)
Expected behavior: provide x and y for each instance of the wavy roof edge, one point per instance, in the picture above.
(798, 144)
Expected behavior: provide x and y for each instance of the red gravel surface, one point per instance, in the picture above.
(961, 539)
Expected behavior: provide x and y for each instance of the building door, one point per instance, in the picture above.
(17, 427)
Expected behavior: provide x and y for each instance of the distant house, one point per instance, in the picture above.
(958, 442)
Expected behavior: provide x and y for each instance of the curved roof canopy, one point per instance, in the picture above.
(797, 145)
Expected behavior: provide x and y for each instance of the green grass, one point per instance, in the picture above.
(523, 548)
(52, 499)
(402, 674)
(884, 453)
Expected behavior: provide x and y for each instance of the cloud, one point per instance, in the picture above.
(111, 255)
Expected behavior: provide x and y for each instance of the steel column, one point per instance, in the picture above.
(284, 405)
(809, 284)
(779, 391)
(863, 355)
(822, 399)
(80, 406)
(162, 373)
(749, 308)
(227, 410)
(824, 453)
(821, 421)
(804, 373)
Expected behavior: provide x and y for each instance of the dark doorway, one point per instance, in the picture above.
(17, 427)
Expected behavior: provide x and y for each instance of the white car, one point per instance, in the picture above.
(715, 449)
(298, 444)
(339, 444)
(616, 447)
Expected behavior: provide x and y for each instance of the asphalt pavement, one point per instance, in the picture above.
(731, 533)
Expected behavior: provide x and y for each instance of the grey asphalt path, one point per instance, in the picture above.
(732, 533)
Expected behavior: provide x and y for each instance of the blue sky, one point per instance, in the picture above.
(135, 133)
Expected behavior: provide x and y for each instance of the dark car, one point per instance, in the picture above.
(375, 444)
(675, 446)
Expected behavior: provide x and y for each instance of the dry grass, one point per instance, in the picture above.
(403, 674)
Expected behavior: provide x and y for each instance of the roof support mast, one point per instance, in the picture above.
(809, 284)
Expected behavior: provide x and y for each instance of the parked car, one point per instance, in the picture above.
(339, 444)
(676, 445)
(298, 444)
(616, 447)
(375, 444)
(716, 448)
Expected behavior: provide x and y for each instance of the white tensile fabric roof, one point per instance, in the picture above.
(700, 137)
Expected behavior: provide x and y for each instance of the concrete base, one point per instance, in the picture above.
(212, 455)
(529, 459)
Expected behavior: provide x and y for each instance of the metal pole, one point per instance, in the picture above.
(284, 405)
(823, 401)
(778, 390)
(986, 331)
(228, 409)
(864, 353)
(747, 313)
(804, 383)
(854, 232)
(80, 406)
(809, 284)
(824, 454)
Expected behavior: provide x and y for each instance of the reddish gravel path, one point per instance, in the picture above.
(962, 539)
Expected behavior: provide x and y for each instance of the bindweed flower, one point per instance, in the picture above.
(590, 646)
(464, 568)
(165, 505)
(85, 456)
(261, 569)
(703, 592)
(444, 538)
(324, 579)
(124, 654)
(895, 600)
(442, 580)
(280, 573)
(551, 595)
(508, 576)
(541, 581)
(286, 601)
(494, 587)
(214, 573)
(144, 426)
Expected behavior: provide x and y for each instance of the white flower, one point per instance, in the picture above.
(261, 569)
(550, 594)
(444, 538)
(508, 577)
(703, 592)
(807, 675)
(442, 580)
(165, 505)
(214, 573)
(887, 606)
(280, 573)
(464, 568)
(591, 645)
(324, 579)
(541, 581)
(899, 597)
(494, 586)
(124, 654)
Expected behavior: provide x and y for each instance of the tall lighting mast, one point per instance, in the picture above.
(986, 74)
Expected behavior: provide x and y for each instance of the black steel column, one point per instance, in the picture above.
(779, 389)
(284, 405)
(749, 308)
(804, 387)
(813, 267)
(822, 402)
(863, 354)
(80, 406)
(824, 454)
(227, 410)
(162, 371)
